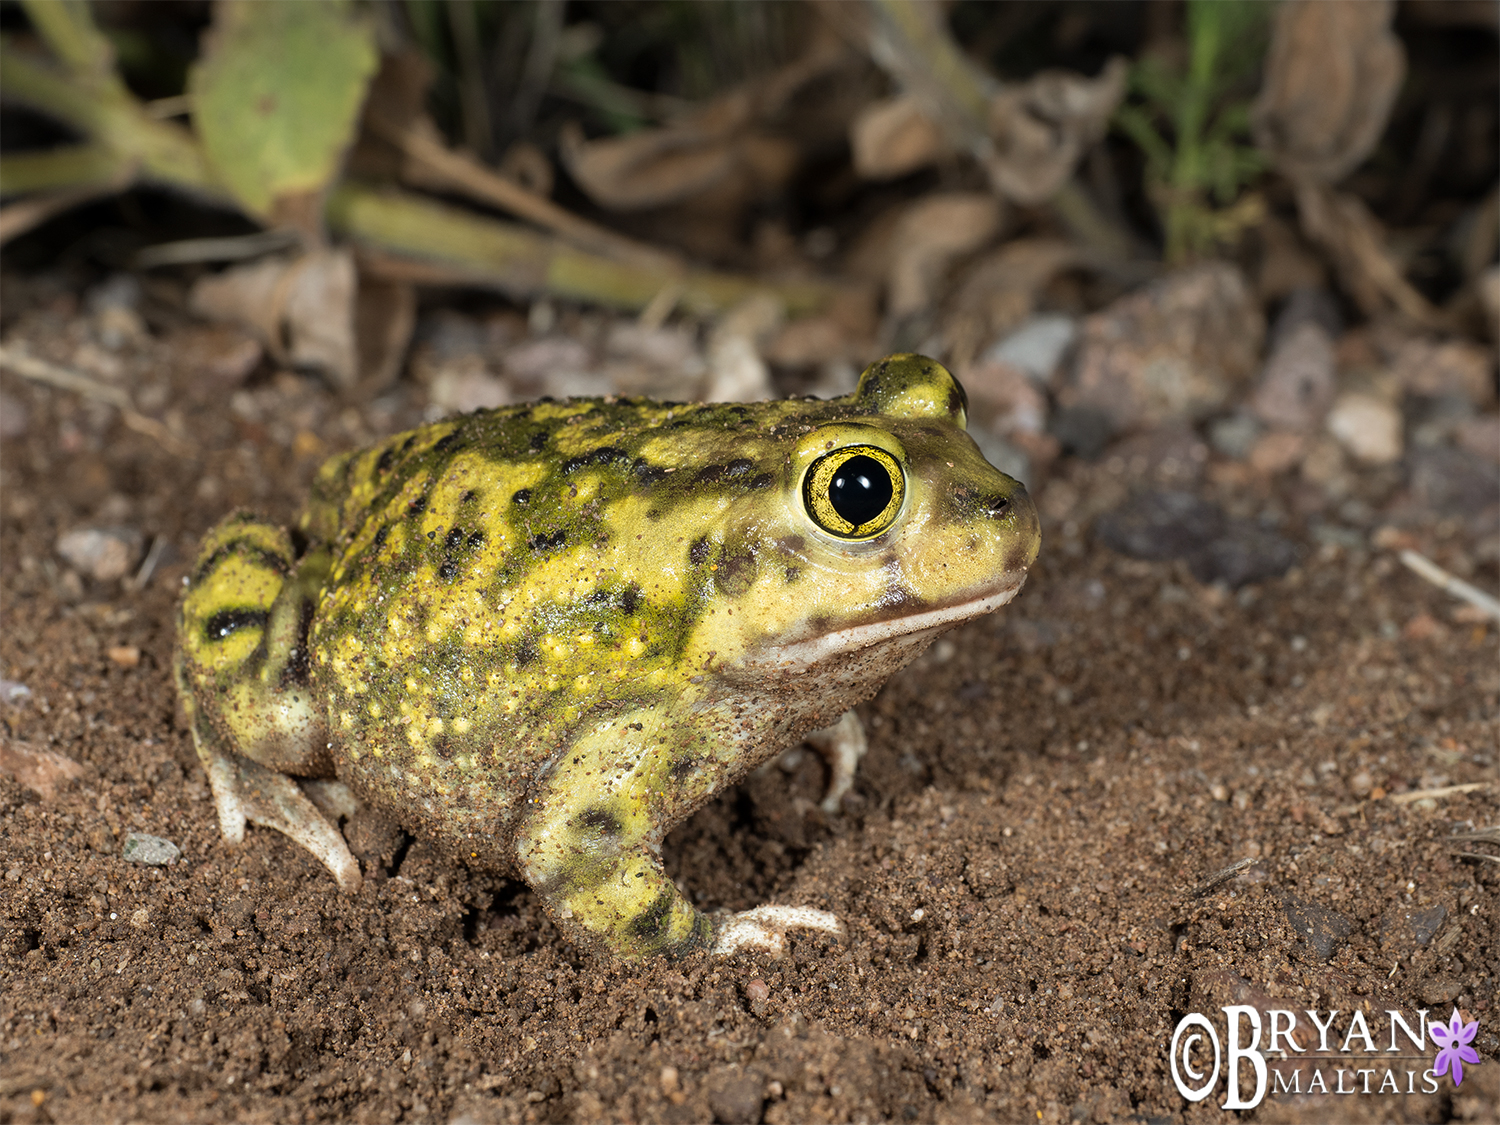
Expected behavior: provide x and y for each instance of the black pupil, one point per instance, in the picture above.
(860, 489)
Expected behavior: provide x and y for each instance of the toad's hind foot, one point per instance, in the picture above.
(248, 791)
(765, 928)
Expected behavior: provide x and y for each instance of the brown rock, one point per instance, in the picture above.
(1177, 350)
(1368, 427)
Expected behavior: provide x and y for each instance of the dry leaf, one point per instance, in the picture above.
(999, 292)
(931, 234)
(893, 137)
(1041, 129)
(1343, 226)
(727, 141)
(314, 312)
(736, 371)
(1332, 74)
(385, 313)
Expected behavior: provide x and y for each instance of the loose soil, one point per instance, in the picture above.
(1020, 867)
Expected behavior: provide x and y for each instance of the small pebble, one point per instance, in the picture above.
(758, 993)
(126, 656)
(1367, 427)
(150, 850)
(103, 553)
(13, 694)
(1361, 784)
(1219, 792)
(670, 1080)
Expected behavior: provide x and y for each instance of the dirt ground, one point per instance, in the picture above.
(1020, 867)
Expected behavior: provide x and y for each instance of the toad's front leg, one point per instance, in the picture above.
(590, 845)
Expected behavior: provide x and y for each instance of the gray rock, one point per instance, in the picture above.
(1298, 382)
(1323, 929)
(1170, 524)
(153, 851)
(1038, 346)
(1082, 430)
(1454, 482)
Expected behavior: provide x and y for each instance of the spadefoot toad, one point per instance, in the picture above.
(543, 635)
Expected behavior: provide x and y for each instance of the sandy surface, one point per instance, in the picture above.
(1016, 867)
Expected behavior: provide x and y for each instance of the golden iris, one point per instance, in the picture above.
(854, 492)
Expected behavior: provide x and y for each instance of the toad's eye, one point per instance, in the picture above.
(854, 492)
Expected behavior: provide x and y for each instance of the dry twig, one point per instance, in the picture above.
(66, 379)
(1219, 878)
(1438, 793)
(1490, 835)
(1426, 568)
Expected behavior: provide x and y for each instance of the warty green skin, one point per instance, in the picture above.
(543, 635)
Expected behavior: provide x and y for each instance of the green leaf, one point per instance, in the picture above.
(277, 94)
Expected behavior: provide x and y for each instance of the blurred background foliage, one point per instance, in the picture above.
(1178, 177)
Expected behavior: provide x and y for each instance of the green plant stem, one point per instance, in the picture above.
(67, 29)
(524, 263)
(107, 112)
(67, 168)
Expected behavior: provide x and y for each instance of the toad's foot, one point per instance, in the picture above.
(841, 746)
(248, 791)
(765, 928)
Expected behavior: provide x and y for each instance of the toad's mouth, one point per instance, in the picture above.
(819, 648)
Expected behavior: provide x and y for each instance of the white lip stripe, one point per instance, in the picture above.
(804, 653)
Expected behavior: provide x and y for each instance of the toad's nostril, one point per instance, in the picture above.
(996, 506)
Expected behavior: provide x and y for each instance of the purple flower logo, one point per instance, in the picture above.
(1454, 1038)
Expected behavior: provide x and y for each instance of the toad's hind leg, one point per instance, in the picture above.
(590, 844)
(242, 673)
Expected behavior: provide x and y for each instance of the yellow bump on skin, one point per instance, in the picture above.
(461, 726)
(634, 647)
(346, 720)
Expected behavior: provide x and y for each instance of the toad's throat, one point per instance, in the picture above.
(817, 649)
